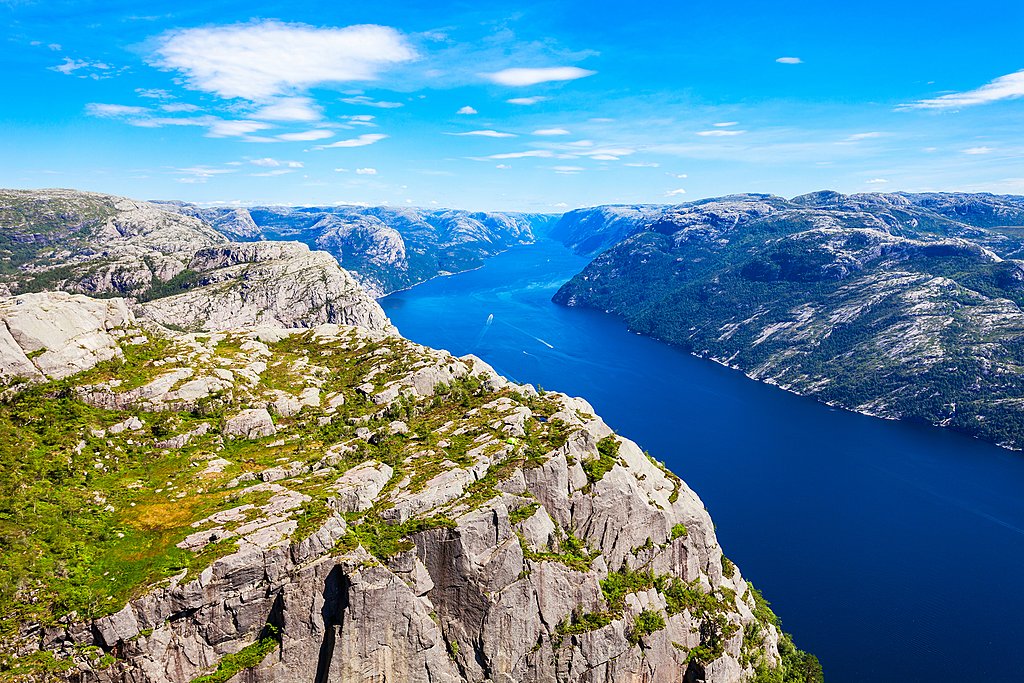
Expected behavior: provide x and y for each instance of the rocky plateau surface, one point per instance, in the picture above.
(336, 503)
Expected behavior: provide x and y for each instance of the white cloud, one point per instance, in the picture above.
(271, 174)
(486, 134)
(568, 170)
(268, 162)
(305, 136)
(604, 157)
(223, 129)
(364, 101)
(161, 121)
(856, 137)
(720, 133)
(643, 164)
(876, 181)
(675, 193)
(526, 101)
(200, 174)
(608, 151)
(360, 119)
(263, 59)
(551, 131)
(678, 175)
(154, 93)
(360, 141)
(978, 150)
(113, 110)
(366, 171)
(289, 109)
(503, 166)
(1008, 87)
(725, 124)
(179, 107)
(539, 153)
(521, 77)
(93, 70)
(789, 60)
(467, 111)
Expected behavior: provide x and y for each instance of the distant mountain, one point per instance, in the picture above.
(895, 305)
(385, 248)
(176, 269)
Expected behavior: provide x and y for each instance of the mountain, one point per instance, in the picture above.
(385, 248)
(176, 269)
(904, 306)
(338, 503)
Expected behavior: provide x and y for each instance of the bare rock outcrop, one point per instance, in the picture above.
(501, 535)
(53, 335)
(267, 284)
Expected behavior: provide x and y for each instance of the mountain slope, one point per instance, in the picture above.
(177, 269)
(338, 504)
(385, 248)
(901, 306)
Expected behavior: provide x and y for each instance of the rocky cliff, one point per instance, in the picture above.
(386, 248)
(896, 305)
(177, 269)
(337, 504)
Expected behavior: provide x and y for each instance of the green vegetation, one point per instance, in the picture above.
(679, 531)
(523, 513)
(584, 622)
(383, 539)
(569, 550)
(645, 623)
(607, 458)
(248, 657)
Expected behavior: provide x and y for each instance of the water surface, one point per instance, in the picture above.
(891, 551)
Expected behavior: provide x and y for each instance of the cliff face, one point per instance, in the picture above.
(177, 269)
(386, 248)
(901, 306)
(338, 504)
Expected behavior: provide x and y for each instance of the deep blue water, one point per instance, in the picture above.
(892, 551)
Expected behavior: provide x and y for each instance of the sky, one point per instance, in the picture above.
(531, 106)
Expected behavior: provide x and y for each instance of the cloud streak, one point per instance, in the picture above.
(486, 134)
(360, 141)
(1008, 87)
(521, 77)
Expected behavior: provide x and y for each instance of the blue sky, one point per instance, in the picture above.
(537, 106)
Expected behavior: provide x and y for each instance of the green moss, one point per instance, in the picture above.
(679, 531)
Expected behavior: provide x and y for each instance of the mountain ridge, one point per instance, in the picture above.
(888, 304)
